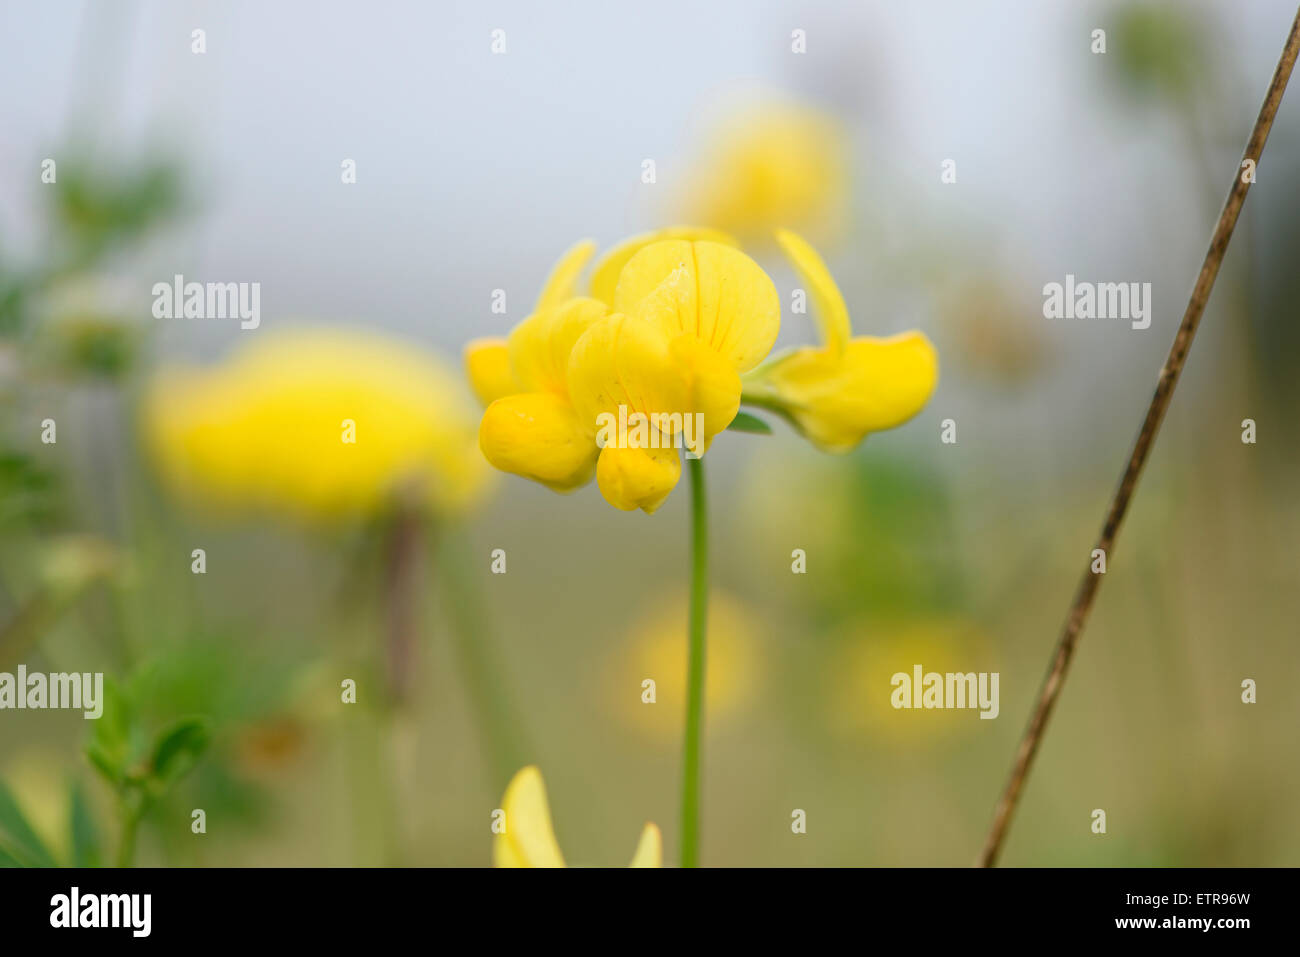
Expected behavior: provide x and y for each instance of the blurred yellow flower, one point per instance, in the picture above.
(840, 391)
(859, 678)
(773, 167)
(656, 651)
(689, 317)
(316, 421)
(527, 838)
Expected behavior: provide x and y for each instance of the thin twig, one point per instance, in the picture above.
(1173, 367)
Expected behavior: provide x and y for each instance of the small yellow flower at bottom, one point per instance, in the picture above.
(528, 838)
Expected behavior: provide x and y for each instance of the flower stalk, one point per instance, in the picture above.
(126, 843)
(696, 660)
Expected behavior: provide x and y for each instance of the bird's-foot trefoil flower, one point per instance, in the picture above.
(839, 392)
(526, 837)
(689, 317)
(690, 313)
(676, 322)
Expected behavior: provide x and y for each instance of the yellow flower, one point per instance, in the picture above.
(528, 838)
(657, 650)
(859, 679)
(838, 392)
(530, 427)
(690, 314)
(689, 317)
(773, 167)
(316, 421)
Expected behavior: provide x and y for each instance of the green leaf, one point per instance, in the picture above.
(744, 422)
(85, 839)
(178, 748)
(18, 835)
(7, 859)
(104, 764)
(109, 749)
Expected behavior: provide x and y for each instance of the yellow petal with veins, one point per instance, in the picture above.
(718, 294)
(650, 849)
(604, 277)
(487, 365)
(529, 838)
(563, 280)
(831, 313)
(538, 435)
(539, 346)
(632, 478)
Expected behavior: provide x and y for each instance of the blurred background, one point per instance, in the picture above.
(474, 169)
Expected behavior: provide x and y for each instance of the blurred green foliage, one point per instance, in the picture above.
(1161, 49)
(98, 213)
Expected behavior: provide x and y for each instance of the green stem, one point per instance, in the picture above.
(126, 847)
(695, 668)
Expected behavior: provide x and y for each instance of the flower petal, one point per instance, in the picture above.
(563, 279)
(632, 478)
(622, 361)
(650, 849)
(487, 364)
(529, 838)
(832, 314)
(604, 277)
(712, 385)
(538, 435)
(540, 345)
(719, 295)
(876, 384)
